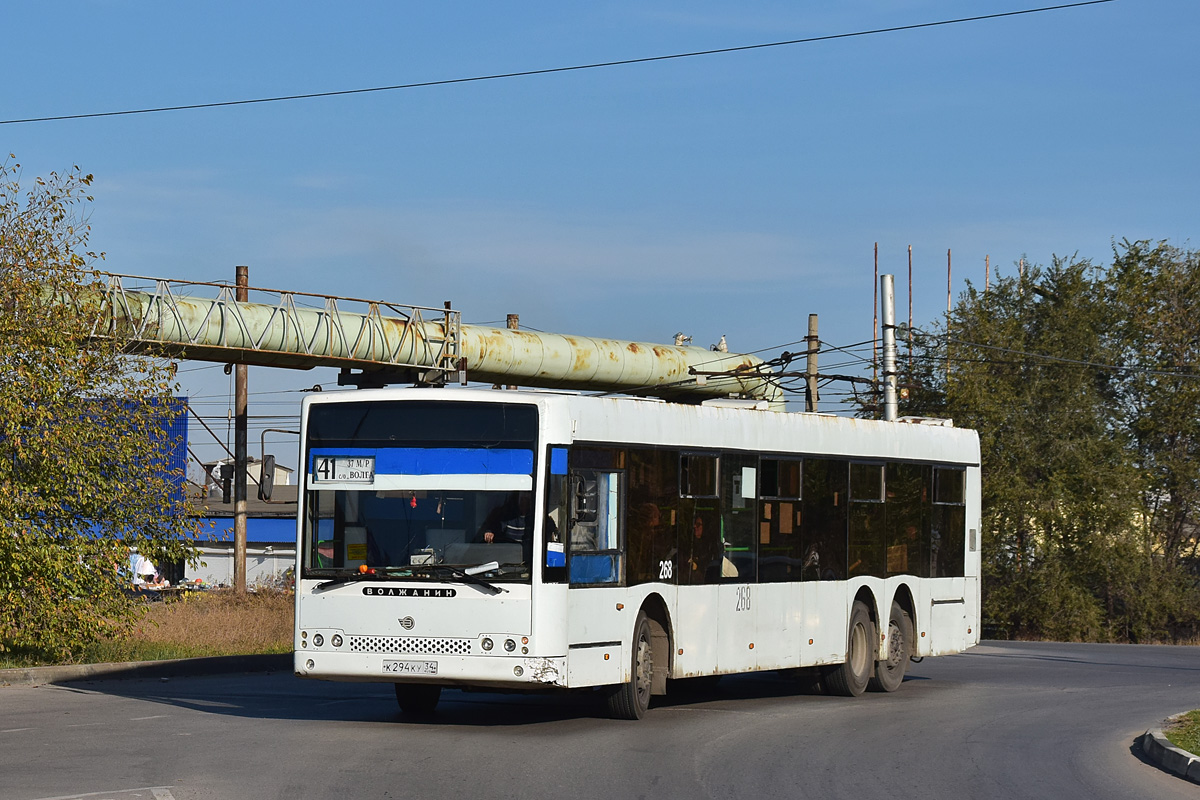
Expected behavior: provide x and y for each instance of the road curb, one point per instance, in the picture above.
(172, 668)
(1159, 749)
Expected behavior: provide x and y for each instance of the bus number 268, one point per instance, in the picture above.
(743, 598)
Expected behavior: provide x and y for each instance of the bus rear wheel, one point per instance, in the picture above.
(850, 678)
(417, 698)
(631, 700)
(889, 674)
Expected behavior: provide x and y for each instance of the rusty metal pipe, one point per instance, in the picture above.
(227, 331)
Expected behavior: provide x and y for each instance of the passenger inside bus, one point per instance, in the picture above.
(705, 564)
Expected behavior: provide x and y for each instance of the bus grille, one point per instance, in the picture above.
(410, 644)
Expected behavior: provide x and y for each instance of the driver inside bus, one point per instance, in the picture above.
(512, 521)
(509, 521)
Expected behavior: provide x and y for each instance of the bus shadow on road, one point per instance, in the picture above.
(284, 697)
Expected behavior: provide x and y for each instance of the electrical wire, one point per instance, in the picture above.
(552, 70)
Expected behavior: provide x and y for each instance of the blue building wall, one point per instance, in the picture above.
(259, 530)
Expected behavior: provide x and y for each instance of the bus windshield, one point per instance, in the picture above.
(394, 531)
(398, 487)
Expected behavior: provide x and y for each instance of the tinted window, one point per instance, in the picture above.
(949, 522)
(908, 519)
(781, 478)
(697, 476)
(825, 517)
(421, 423)
(653, 503)
(739, 518)
(867, 541)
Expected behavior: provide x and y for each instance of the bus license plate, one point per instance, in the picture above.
(410, 668)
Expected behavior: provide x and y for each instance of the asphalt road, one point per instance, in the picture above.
(1006, 720)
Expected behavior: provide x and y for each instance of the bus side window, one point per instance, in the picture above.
(781, 553)
(867, 545)
(593, 542)
(825, 519)
(949, 524)
(555, 526)
(908, 519)
(650, 547)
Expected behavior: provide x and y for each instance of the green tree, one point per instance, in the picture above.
(1077, 454)
(82, 448)
(1154, 294)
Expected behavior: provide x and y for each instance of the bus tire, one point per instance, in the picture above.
(418, 698)
(630, 700)
(850, 678)
(889, 674)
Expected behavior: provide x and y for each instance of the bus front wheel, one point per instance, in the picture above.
(417, 698)
(630, 700)
(850, 678)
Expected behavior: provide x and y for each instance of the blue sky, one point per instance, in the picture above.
(730, 194)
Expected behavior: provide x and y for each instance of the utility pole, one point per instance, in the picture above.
(813, 343)
(514, 323)
(239, 452)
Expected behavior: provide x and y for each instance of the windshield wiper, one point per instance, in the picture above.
(378, 574)
(468, 575)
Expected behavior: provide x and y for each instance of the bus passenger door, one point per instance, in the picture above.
(737, 610)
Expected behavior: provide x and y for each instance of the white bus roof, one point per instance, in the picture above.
(569, 418)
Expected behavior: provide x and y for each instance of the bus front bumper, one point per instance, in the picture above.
(496, 671)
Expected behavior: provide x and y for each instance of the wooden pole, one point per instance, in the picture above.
(813, 343)
(241, 418)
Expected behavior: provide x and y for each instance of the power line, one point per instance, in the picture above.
(552, 70)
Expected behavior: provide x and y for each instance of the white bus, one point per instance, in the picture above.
(507, 539)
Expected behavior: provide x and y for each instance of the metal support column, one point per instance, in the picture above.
(887, 291)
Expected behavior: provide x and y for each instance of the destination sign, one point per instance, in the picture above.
(344, 469)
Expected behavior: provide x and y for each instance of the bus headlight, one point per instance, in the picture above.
(510, 645)
(336, 641)
(486, 644)
(318, 640)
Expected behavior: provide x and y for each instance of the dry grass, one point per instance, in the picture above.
(213, 623)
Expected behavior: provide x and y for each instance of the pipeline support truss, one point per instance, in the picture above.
(292, 329)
